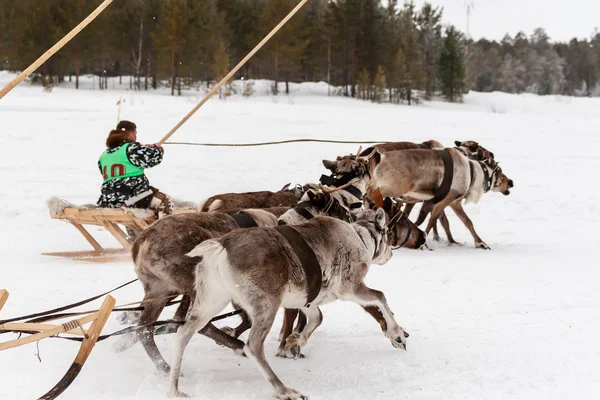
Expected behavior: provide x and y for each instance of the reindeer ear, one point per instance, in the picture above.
(312, 195)
(457, 143)
(380, 218)
(286, 187)
(387, 203)
(474, 146)
(491, 154)
(330, 165)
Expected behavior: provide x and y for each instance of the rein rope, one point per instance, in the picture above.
(273, 142)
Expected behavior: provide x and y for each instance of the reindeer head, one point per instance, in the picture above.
(327, 203)
(474, 150)
(375, 223)
(402, 232)
(352, 165)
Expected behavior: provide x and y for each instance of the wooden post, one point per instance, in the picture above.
(54, 49)
(233, 71)
(3, 297)
(84, 351)
(118, 107)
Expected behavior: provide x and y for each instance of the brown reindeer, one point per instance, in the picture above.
(420, 175)
(263, 199)
(299, 267)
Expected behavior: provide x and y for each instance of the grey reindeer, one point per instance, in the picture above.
(262, 271)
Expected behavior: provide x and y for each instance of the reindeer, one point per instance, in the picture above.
(263, 199)
(165, 272)
(402, 233)
(302, 266)
(422, 175)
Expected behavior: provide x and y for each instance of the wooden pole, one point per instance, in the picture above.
(54, 49)
(84, 351)
(233, 71)
(3, 297)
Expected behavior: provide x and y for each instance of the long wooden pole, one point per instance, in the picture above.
(54, 49)
(3, 297)
(233, 71)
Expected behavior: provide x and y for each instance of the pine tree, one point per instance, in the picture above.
(221, 64)
(364, 84)
(285, 49)
(429, 21)
(451, 65)
(170, 36)
(379, 86)
(411, 75)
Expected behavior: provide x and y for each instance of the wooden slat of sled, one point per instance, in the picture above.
(109, 219)
(31, 326)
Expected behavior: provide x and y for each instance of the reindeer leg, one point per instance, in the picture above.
(289, 316)
(205, 307)
(151, 312)
(426, 208)
(446, 226)
(366, 296)
(298, 339)
(301, 322)
(458, 209)
(242, 327)
(378, 316)
(435, 214)
(263, 313)
(408, 208)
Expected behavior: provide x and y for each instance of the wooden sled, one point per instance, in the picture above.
(73, 327)
(110, 218)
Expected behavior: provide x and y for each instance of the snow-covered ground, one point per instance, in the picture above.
(518, 322)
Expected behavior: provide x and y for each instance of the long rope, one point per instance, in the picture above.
(68, 306)
(277, 142)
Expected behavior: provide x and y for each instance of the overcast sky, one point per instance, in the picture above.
(492, 19)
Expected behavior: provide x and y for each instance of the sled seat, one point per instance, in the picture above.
(111, 219)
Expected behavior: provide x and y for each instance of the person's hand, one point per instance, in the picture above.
(155, 145)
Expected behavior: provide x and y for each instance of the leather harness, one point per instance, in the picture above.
(308, 260)
(244, 220)
(443, 190)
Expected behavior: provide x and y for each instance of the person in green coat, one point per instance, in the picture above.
(122, 166)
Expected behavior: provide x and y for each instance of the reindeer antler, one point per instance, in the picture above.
(328, 190)
(368, 156)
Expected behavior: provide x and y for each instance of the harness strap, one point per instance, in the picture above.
(303, 211)
(444, 188)
(472, 174)
(308, 260)
(486, 177)
(244, 220)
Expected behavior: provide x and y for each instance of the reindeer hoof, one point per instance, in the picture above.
(129, 317)
(291, 394)
(483, 246)
(453, 243)
(399, 343)
(178, 394)
(406, 335)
